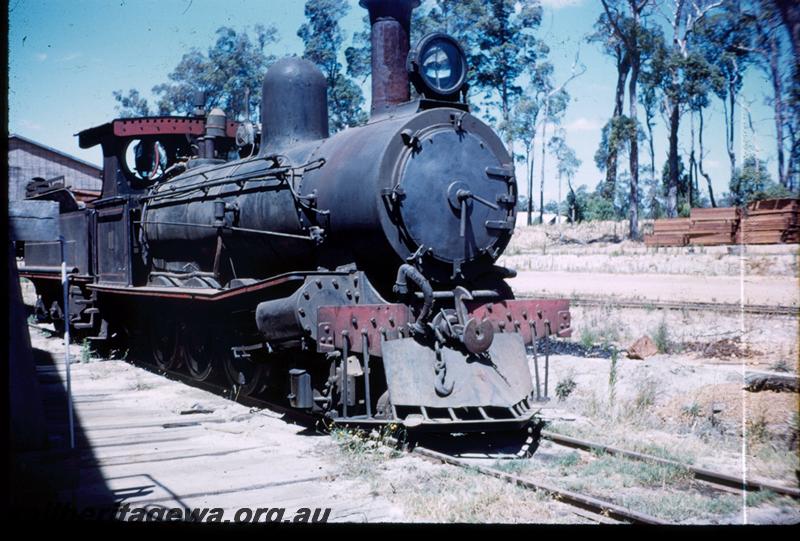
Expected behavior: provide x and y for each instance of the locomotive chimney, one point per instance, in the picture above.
(390, 21)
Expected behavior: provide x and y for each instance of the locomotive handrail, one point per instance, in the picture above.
(231, 179)
(185, 196)
(228, 227)
(203, 185)
(242, 162)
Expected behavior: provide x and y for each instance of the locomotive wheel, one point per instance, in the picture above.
(199, 355)
(163, 345)
(244, 376)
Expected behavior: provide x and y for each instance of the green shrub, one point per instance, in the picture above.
(565, 387)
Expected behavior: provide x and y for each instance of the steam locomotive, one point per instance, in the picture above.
(353, 275)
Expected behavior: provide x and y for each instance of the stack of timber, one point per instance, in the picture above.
(668, 233)
(713, 226)
(771, 221)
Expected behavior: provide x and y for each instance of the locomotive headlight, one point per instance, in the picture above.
(438, 67)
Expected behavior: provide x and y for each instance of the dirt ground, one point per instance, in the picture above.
(688, 401)
(596, 260)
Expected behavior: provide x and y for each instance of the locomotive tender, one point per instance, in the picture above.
(354, 274)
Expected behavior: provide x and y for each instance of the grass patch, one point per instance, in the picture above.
(662, 452)
(630, 473)
(646, 390)
(757, 427)
(760, 497)
(363, 450)
(568, 460)
(681, 506)
(511, 466)
(661, 337)
(457, 495)
(565, 387)
(782, 365)
(588, 337)
(86, 351)
(612, 380)
(773, 461)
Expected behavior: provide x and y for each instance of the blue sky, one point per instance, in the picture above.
(66, 57)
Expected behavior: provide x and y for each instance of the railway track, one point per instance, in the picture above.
(603, 509)
(701, 474)
(598, 510)
(734, 308)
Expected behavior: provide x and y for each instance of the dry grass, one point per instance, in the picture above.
(429, 492)
(603, 247)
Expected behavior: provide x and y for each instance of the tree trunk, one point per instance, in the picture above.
(700, 163)
(777, 90)
(529, 162)
(544, 147)
(672, 185)
(792, 169)
(634, 135)
(558, 203)
(790, 14)
(623, 67)
(730, 124)
(651, 143)
(692, 163)
(674, 116)
(507, 122)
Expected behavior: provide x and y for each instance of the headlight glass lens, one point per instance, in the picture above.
(441, 65)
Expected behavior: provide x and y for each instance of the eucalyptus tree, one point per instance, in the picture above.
(683, 16)
(323, 38)
(555, 105)
(567, 163)
(132, 104)
(725, 35)
(625, 20)
(228, 74)
(607, 153)
(504, 44)
(527, 116)
(702, 77)
(773, 56)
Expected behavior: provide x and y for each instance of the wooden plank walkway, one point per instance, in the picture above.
(135, 447)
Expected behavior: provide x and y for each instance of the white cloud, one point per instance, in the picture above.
(583, 124)
(558, 4)
(41, 57)
(70, 56)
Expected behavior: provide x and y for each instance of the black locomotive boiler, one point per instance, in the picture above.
(354, 274)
